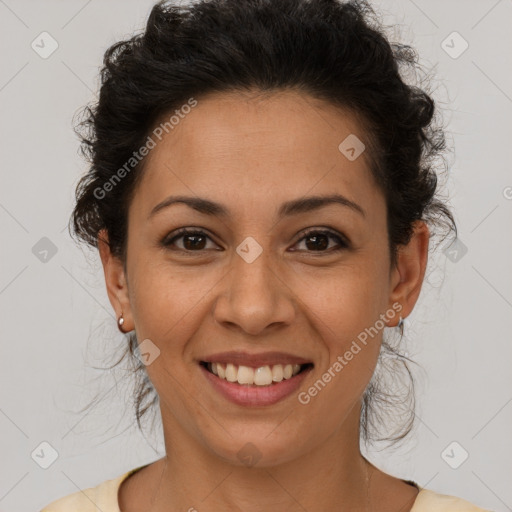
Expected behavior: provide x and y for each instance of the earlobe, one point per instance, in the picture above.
(407, 276)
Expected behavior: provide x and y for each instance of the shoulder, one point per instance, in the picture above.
(431, 501)
(102, 497)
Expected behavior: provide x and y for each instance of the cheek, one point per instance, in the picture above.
(345, 315)
(345, 310)
(165, 298)
(349, 298)
(346, 323)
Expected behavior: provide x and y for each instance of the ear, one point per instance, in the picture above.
(407, 276)
(115, 280)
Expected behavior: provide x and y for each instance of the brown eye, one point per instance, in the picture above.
(192, 240)
(318, 241)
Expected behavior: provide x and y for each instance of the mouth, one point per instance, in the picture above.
(254, 386)
(262, 376)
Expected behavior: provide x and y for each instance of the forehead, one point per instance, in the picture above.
(256, 148)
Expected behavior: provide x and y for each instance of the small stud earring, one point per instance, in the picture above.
(120, 323)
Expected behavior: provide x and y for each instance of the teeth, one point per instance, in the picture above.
(277, 373)
(262, 376)
(245, 375)
(231, 372)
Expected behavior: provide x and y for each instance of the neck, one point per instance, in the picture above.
(325, 474)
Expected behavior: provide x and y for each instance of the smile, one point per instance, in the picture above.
(262, 376)
(247, 386)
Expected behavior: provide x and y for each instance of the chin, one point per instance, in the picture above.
(254, 447)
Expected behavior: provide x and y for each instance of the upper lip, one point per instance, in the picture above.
(255, 360)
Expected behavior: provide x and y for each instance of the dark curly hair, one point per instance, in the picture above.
(329, 50)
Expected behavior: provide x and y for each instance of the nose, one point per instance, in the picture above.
(254, 297)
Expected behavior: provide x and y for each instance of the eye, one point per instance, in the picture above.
(194, 240)
(317, 240)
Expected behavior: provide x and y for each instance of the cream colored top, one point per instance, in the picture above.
(104, 497)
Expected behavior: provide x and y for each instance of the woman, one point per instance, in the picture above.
(262, 196)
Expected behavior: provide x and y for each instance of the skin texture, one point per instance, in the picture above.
(252, 153)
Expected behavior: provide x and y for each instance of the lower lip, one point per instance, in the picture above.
(243, 394)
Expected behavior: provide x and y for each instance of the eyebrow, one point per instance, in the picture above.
(294, 207)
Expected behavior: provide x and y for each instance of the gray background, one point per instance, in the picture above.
(57, 322)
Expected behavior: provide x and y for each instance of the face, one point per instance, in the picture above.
(268, 272)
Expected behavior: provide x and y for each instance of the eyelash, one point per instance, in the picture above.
(332, 234)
